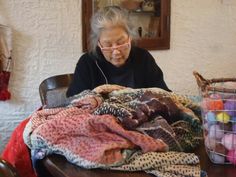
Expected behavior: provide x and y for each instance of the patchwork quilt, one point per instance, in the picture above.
(119, 128)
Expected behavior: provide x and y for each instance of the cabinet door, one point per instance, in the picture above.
(151, 17)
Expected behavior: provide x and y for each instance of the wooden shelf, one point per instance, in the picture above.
(155, 30)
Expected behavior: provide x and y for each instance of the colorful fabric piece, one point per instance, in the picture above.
(136, 108)
(133, 111)
(108, 129)
(84, 139)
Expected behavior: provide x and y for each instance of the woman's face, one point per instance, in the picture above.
(115, 45)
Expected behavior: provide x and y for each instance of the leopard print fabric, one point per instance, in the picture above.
(168, 164)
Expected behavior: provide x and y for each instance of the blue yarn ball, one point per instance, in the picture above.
(210, 117)
(234, 128)
(233, 120)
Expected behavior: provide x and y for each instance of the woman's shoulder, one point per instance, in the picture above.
(86, 58)
(142, 54)
(139, 50)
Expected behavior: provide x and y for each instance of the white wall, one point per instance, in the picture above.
(47, 41)
(203, 38)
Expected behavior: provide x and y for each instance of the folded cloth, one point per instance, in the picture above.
(163, 164)
(90, 141)
(159, 128)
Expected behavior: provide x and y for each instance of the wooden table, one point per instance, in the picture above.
(58, 166)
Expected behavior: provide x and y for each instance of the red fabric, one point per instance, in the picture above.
(4, 80)
(17, 153)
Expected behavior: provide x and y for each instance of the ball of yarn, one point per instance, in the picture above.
(215, 145)
(234, 128)
(230, 107)
(216, 158)
(219, 148)
(204, 104)
(229, 141)
(215, 132)
(231, 156)
(226, 127)
(223, 117)
(233, 120)
(213, 102)
(210, 117)
(214, 105)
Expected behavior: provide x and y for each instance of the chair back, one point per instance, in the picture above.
(7, 170)
(53, 89)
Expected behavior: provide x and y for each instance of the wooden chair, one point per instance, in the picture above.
(7, 170)
(52, 90)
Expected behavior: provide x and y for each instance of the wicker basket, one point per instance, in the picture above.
(218, 107)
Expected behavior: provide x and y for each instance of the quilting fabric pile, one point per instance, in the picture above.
(121, 129)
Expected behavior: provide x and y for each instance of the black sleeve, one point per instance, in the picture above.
(81, 79)
(154, 73)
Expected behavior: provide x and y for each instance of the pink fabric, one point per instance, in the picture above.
(17, 153)
(97, 138)
(41, 116)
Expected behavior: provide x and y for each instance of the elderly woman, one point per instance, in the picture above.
(112, 58)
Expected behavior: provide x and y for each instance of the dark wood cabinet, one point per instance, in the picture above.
(151, 17)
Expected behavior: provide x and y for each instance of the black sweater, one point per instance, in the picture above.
(140, 71)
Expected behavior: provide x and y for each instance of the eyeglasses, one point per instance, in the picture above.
(121, 47)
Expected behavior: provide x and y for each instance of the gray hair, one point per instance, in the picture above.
(110, 15)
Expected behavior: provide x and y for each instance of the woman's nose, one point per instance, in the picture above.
(115, 51)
